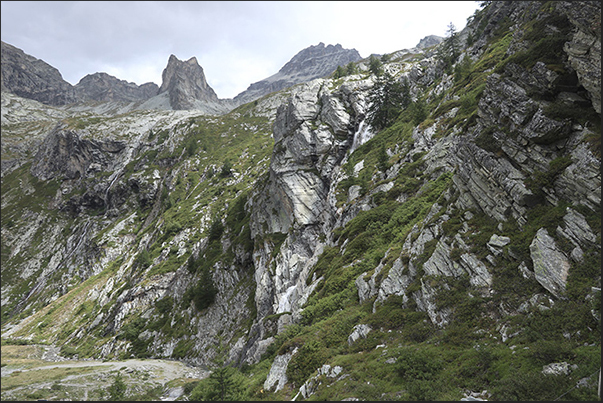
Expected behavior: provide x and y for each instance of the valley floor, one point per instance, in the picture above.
(33, 372)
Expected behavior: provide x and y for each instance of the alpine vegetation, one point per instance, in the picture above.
(420, 225)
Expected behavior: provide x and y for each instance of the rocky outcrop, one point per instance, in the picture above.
(185, 83)
(63, 154)
(429, 41)
(305, 157)
(278, 372)
(32, 78)
(584, 49)
(550, 264)
(310, 63)
(102, 87)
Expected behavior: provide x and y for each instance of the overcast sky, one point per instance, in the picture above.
(236, 42)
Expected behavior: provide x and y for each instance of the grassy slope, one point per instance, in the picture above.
(405, 357)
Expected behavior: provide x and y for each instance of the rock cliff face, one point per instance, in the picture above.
(299, 237)
(102, 87)
(31, 78)
(310, 63)
(429, 41)
(28, 77)
(185, 83)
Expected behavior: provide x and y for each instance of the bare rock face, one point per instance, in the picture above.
(551, 266)
(311, 63)
(32, 78)
(104, 87)
(64, 154)
(185, 83)
(584, 50)
(429, 41)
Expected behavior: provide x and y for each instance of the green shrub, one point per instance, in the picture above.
(311, 356)
(143, 259)
(117, 390)
(203, 294)
(68, 351)
(182, 349)
(418, 364)
(520, 386)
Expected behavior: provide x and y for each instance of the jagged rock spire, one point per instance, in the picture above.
(185, 83)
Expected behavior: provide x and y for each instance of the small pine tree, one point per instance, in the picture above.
(375, 66)
(387, 99)
(449, 51)
(222, 384)
(339, 72)
(382, 159)
(350, 68)
(117, 390)
(225, 171)
(418, 111)
(205, 291)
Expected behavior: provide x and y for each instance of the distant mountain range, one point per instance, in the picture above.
(184, 85)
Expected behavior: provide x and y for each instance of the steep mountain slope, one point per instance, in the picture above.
(31, 78)
(28, 77)
(454, 250)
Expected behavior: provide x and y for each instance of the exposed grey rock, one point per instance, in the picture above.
(478, 272)
(505, 102)
(550, 264)
(429, 41)
(496, 243)
(525, 272)
(278, 371)
(104, 87)
(28, 77)
(311, 385)
(395, 283)
(359, 331)
(185, 83)
(584, 50)
(493, 185)
(310, 63)
(558, 368)
(64, 154)
(576, 229)
(581, 181)
(425, 299)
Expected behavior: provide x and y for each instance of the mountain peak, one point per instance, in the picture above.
(29, 77)
(104, 87)
(310, 63)
(185, 83)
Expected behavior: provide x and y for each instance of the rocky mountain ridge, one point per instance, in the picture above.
(310, 63)
(38, 80)
(102, 87)
(184, 85)
(328, 259)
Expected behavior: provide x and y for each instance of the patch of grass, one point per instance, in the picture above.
(27, 378)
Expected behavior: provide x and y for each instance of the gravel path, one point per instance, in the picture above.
(155, 371)
(164, 370)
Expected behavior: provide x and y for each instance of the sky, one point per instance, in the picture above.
(237, 43)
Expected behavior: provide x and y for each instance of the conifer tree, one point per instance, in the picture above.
(339, 72)
(449, 49)
(350, 68)
(387, 99)
(375, 66)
